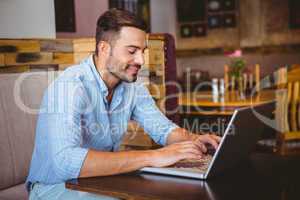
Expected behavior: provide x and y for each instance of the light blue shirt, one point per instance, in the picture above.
(75, 117)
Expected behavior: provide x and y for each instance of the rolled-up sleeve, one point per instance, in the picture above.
(60, 120)
(153, 121)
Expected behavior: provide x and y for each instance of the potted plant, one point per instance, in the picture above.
(236, 68)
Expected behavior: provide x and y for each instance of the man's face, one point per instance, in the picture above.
(127, 54)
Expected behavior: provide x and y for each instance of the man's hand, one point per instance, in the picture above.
(182, 144)
(175, 152)
(180, 135)
(193, 147)
(209, 139)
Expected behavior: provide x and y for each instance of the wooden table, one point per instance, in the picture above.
(204, 103)
(262, 177)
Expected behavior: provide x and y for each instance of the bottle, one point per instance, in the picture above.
(222, 87)
(215, 90)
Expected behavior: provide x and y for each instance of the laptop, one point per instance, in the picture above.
(238, 141)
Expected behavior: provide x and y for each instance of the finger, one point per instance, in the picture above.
(217, 138)
(179, 144)
(197, 145)
(191, 149)
(192, 156)
(187, 144)
(201, 146)
(210, 140)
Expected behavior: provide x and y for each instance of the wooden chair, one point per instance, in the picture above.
(247, 79)
(288, 110)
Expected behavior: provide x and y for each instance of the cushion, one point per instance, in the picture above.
(16, 192)
(20, 98)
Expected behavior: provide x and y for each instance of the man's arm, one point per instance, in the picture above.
(98, 163)
(160, 128)
(63, 139)
(180, 134)
(181, 144)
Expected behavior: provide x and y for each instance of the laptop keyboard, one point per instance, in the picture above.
(196, 164)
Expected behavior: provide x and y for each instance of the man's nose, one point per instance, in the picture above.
(139, 59)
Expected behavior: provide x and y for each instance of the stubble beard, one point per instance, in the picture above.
(119, 71)
(123, 76)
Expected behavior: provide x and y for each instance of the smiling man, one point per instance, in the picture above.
(85, 111)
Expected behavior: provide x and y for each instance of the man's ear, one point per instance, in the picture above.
(104, 49)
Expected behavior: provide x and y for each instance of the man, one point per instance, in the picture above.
(85, 111)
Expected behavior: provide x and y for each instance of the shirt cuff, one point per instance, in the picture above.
(165, 136)
(76, 161)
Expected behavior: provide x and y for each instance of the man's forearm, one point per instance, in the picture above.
(179, 135)
(98, 163)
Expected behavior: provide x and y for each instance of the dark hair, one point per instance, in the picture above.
(110, 23)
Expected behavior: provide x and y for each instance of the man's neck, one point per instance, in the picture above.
(110, 80)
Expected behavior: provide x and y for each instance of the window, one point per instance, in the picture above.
(141, 8)
(65, 16)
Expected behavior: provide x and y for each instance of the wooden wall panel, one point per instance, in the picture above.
(28, 58)
(20, 46)
(59, 45)
(84, 45)
(251, 31)
(63, 58)
(260, 23)
(275, 15)
(2, 60)
(15, 69)
(215, 38)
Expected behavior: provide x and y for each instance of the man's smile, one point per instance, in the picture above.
(133, 69)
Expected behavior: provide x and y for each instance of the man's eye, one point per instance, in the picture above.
(132, 51)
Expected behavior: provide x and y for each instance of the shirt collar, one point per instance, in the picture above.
(118, 90)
